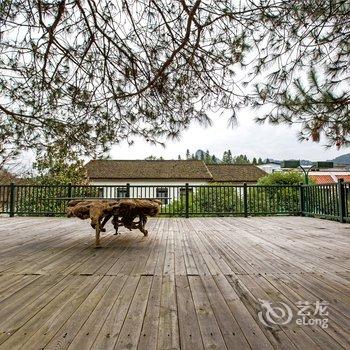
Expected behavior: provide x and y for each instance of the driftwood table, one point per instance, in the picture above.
(123, 212)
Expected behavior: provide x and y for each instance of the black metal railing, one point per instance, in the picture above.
(321, 200)
(328, 201)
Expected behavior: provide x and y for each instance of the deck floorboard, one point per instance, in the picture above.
(193, 283)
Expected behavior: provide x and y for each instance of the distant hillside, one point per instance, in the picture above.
(200, 154)
(302, 161)
(343, 159)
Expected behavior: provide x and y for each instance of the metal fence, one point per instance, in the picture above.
(328, 201)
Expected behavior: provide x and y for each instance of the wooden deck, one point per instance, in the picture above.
(191, 284)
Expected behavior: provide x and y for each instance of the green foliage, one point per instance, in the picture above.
(273, 200)
(213, 160)
(282, 178)
(217, 199)
(207, 157)
(322, 200)
(228, 200)
(209, 200)
(150, 68)
(49, 194)
(227, 158)
(282, 196)
(59, 166)
(50, 200)
(241, 159)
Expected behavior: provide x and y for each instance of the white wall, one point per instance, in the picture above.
(173, 187)
(270, 167)
(106, 182)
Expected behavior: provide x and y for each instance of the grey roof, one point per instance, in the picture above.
(172, 170)
(148, 169)
(235, 172)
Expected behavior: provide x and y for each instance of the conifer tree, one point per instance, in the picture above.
(207, 157)
(99, 72)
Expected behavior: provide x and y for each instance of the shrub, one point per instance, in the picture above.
(282, 178)
(206, 200)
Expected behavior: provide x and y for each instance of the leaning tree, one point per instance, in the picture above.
(97, 72)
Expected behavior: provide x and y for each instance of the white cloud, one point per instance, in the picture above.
(266, 141)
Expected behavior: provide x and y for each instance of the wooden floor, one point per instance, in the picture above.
(191, 284)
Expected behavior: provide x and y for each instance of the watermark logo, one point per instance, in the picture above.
(274, 313)
(280, 313)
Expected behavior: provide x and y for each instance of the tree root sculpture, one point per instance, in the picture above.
(123, 213)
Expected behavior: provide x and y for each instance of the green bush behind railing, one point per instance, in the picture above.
(206, 200)
(49, 200)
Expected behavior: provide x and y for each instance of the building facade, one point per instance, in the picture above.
(163, 178)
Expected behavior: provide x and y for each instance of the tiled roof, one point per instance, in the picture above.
(346, 178)
(148, 169)
(322, 179)
(6, 178)
(172, 170)
(235, 172)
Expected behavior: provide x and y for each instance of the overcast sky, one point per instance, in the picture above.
(265, 141)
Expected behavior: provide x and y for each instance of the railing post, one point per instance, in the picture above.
(69, 190)
(341, 199)
(302, 199)
(12, 199)
(127, 190)
(187, 200)
(245, 199)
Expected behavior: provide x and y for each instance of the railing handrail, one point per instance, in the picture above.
(326, 200)
(109, 198)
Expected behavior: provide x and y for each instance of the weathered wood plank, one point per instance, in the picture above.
(210, 330)
(130, 332)
(191, 284)
(190, 335)
(110, 330)
(149, 332)
(89, 331)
